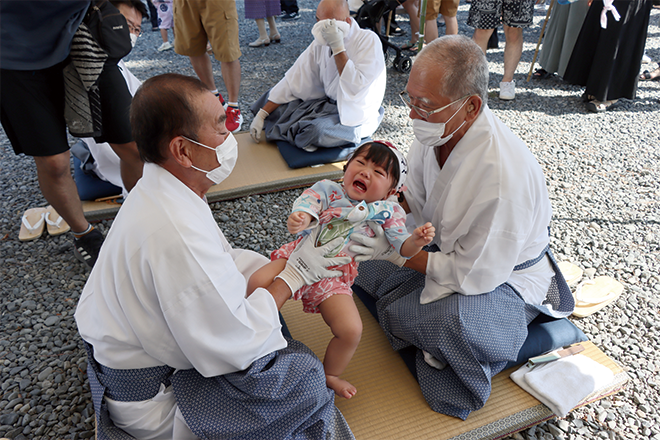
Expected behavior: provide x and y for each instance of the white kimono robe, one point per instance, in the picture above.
(360, 89)
(168, 289)
(490, 207)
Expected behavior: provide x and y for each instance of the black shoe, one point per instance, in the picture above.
(290, 16)
(87, 247)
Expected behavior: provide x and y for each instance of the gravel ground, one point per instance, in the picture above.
(602, 173)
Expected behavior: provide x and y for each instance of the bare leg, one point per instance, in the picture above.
(512, 51)
(130, 165)
(430, 31)
(59, 189)
(231, 74)
(204, 69)
(265, 275)
(451, 24)
(411, 9)
(481, 37)
(343, 318)
(163, 35)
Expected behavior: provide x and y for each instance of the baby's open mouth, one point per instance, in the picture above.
(359, 185)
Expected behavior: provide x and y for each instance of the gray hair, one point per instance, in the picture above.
(463, 63)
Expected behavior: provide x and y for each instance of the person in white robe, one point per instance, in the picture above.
(344, 64)
(167, 295)
(468, 301)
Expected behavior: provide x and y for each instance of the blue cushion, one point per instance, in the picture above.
(298, 158)
(90, 187)
(544, 334)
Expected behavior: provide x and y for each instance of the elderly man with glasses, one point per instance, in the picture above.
(467, 302)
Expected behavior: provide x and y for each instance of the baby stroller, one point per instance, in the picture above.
(369, 16)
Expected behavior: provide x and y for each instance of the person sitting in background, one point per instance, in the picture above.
(332, 94)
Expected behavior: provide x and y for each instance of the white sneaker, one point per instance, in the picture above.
(646, 59)
(165, 46)
(508, 90)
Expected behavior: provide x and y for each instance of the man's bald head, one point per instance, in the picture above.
(165, 106)
(337, 9)
(460, 63)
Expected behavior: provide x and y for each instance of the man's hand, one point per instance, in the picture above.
(307, 264)
(375, 248)
(333, 36)
(257, 125)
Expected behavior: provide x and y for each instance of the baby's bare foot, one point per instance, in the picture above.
(341, 387)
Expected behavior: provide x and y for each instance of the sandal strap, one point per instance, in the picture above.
(37, 225)
(56, 223)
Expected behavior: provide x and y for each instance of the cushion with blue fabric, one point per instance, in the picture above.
(298, 158)
(544, 334)
(90, 187)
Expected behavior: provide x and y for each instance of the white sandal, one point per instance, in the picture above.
(32, 224)
(592, 295)
(55, 227)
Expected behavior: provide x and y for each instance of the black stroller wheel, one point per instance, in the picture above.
(403, 64)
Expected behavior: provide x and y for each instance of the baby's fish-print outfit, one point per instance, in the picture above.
(327, 202)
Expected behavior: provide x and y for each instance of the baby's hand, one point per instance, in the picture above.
(423, 235)
(298, 221)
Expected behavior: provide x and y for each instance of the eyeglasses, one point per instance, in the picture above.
(137, 30)
(426, 113)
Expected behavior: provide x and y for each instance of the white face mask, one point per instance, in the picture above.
(227, 153)
(430, 133)
(316, 30)
(133, 39)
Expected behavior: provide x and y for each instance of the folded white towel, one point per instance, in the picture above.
(564, 383)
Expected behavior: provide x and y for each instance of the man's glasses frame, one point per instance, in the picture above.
(426, 113)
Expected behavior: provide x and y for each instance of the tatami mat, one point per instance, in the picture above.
(259, 169)
(390, 405)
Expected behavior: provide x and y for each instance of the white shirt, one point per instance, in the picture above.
(360, 89)
(168, 289)
(490, 207)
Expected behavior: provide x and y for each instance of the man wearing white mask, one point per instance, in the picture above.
(489, 272)
(332, 94)
(175, 349)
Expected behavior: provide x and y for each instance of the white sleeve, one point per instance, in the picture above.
(362, 82)
(215, 326)
(483, 258)
(301, 81)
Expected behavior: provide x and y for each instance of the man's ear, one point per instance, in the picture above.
(473, 107)
(180, 151)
